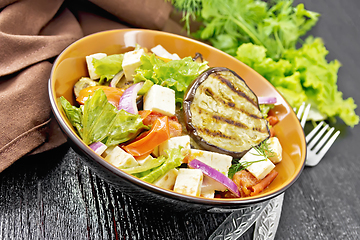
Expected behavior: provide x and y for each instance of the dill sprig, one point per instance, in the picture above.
(190, 10)
(262, 150)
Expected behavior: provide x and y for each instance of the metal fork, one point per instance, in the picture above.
(317, 146)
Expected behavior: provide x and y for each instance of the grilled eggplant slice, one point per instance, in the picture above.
(222, 113)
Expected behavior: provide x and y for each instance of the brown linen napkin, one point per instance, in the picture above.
(32, 34)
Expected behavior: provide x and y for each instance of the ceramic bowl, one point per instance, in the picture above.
(70, 65)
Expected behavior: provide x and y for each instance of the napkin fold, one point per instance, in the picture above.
(32, 34)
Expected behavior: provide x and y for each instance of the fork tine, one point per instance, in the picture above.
(304, 117)
(320, 155)
(328, 144)
(313, 132)
(323, 140)
(315, 140)
(301, 109)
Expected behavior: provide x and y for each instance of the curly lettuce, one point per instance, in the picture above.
(175, 74)
(301, 75)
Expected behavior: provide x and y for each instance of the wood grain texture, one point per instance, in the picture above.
(54, 196)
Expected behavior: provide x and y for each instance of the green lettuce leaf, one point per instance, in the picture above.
(172, 160)
(124, 127)
(73, 114)
(100, 121)
(175, 74)
(148, 165)
(108, 66)
(301, 75)
(319, 80)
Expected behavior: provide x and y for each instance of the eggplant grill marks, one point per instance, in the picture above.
(232, 87)
(225, 113)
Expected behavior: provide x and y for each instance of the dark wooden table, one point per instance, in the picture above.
(54, 196)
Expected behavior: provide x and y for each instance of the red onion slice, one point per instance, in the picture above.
(216, 175)
(267, 100)
(98, 147)
(128, 99)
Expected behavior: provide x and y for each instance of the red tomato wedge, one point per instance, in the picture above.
(149, 117)
(113, 94)
(146, 143)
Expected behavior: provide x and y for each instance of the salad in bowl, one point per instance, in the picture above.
(172, 120)
(176, 123)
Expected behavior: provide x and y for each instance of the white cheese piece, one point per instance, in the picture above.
(175, 142)
(130, 62)
(167, 181)
(220, 162)
(90, 65)
(175, 57)
(143, 161)
(207, 194)
(258, 169)
(189, 181)
(107, 151)
(121, 159)
(210, 184)
(276, 150)
(160, 99)
(162, 52)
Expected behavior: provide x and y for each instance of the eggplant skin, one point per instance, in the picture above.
(222, 113)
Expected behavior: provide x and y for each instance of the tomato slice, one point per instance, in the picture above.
(113, 94)
(149, 117)
(146, 142)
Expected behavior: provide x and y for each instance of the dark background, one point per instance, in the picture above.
(54, 196)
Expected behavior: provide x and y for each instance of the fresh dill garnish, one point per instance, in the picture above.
(262, 150)
(189, 9)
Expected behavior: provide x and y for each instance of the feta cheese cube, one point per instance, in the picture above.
(175, 142)
(167, 181)
(276, 149)
(107, 151)
(210, 184)
(130, 62)
(220, 162)
(160, 99)
(258, 169)
(143, 161)
(90, 65)
(175, 57)
(162, 52)
(207, 194)
(121, 159)
(189, 181)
